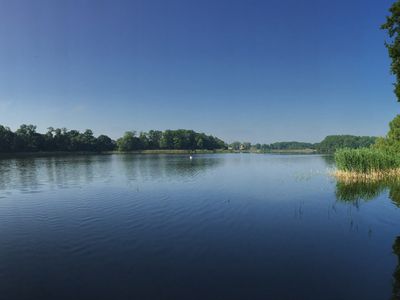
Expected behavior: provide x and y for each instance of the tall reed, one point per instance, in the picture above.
(366, 160)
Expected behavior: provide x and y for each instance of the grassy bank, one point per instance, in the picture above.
(366, 164)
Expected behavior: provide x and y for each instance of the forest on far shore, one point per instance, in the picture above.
(328, 145)
(27, 139)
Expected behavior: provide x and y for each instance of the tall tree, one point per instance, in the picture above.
(6, 139)
(154, 137)
(392, 26)
(104, 143)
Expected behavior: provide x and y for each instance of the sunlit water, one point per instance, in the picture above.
(230, 226)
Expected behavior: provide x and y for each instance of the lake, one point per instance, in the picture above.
(219, 226)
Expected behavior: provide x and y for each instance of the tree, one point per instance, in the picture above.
(48, 140)
(199, 142)
(6, 139)
(167, 141)
(104, 143)
(73, 141)
(128, 142)
(392, 26)
(394, 129)
(88, 140)
(391, 143)
(144, 141)
(154, 137)
(27, 139)
(333, 142)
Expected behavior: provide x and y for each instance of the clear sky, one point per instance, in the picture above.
(249, 70)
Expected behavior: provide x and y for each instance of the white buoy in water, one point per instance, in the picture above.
(190, 157)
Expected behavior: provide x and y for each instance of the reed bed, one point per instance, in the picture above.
(366, 164)
(372, 176)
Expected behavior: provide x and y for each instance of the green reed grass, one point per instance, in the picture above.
(366, 160)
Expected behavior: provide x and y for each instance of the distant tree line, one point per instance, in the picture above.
(240, 146)
(333, 142)
(290, 146)
(27, 139)
(329, 145)
(180, 139)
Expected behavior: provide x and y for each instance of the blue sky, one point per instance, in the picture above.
(250, 70)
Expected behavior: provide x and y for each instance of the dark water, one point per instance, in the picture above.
(234, 226)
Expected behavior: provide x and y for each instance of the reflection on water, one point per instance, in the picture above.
(329, 160)
(32, 175)
(166, 167)
(396, 274)
(356, 191)
(223, 226)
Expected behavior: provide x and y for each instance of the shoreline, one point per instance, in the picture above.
(77, 153)
(156, 151)
(372, 176)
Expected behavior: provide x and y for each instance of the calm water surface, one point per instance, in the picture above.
(229, 226)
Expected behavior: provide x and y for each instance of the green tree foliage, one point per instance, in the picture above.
(391, 143)
(291, 146)
(392, 26)
(180, 139)
(167, 140)
(394, 129)
(154, 138)
(128, 142)
(333, 142)
(7, 138)
(269, 147)
(26, 139)
(104, 143)
(329, 145)
(144, 140)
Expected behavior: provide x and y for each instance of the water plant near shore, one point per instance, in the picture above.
(366, 160)
(366, 164)
(373, 176)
